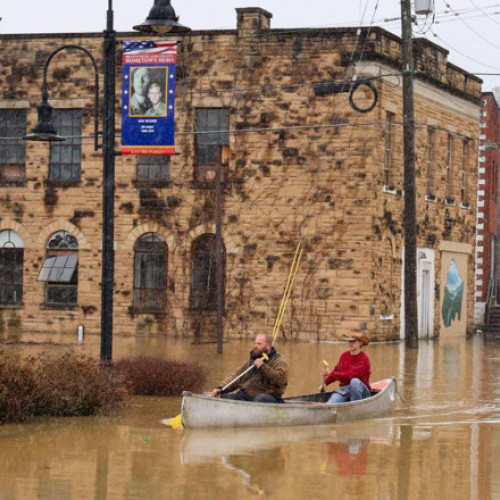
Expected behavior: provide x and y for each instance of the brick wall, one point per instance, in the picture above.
(487, 212)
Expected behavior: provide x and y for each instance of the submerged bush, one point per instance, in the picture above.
(17, 387)
(73, 385)
(68, 385)
(78, 385)
(155, 377)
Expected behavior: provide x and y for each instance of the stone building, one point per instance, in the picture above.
(303, 168)
(487, 206)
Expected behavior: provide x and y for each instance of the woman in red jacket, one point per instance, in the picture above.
(352, 371)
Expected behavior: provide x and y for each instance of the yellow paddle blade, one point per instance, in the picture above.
(176, 422)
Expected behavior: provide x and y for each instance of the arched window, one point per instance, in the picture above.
(11, 267)
(203, 273)
(60, 270)
(150, 272)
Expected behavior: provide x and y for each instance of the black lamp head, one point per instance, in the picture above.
(161, 20)
(44, 129)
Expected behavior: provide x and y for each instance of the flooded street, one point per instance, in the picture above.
(444, 443)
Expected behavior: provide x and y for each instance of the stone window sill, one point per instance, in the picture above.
(390, 190)
(465, 206)
(152, 184)
(386, 317)
(430, 198)
(59, 307)
(12, 306)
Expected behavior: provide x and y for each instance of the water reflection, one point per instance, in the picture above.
(444, 443)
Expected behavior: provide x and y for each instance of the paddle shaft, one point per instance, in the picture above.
(264, 357)
(237, 378)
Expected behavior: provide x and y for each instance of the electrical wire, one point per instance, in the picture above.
(471, 28)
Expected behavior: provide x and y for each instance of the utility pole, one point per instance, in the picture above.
(409, 217)
(221, 160)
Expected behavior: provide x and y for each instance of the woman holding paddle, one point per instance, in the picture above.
(263, 378)
(352, 371)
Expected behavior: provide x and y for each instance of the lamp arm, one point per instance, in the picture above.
(45, 87)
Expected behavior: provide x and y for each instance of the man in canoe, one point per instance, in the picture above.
(352, 371)
(265, 382)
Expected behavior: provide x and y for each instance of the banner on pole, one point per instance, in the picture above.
(148, 98)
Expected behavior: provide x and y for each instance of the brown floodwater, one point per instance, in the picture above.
(442, 442)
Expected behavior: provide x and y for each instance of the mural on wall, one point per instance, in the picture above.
(453, 292)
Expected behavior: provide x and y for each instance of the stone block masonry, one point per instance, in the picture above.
(302, 168)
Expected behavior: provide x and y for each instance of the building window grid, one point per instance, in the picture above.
(449, 168)
(150, 271)
(11, 268)
(203, 294)
(153, 168)
(12, 145)
(212, 127)
(429, 177)
(66, 156)
(388, 153)
(61, 275)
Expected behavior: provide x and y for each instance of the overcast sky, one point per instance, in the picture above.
(469, 29)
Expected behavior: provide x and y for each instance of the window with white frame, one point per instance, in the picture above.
(449, 170)
(388, 150)
(429, 171)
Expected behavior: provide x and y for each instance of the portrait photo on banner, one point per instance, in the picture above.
(148, 91)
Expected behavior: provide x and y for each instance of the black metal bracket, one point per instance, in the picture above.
(322, 89)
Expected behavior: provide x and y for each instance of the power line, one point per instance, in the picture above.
(471, 28)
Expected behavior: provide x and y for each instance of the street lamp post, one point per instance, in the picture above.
(108, 188)
(161, 20)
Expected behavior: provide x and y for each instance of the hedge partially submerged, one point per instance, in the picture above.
(67, 385)
(78, 385)
(147, 376)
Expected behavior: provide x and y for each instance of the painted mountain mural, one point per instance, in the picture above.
(453, 292)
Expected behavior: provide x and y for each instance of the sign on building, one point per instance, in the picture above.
(148, 97)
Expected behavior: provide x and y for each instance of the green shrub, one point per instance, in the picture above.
(155, 377)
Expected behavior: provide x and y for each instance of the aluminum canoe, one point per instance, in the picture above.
(201, 411)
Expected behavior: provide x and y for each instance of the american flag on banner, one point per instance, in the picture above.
(148, 46)
(149, 52)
